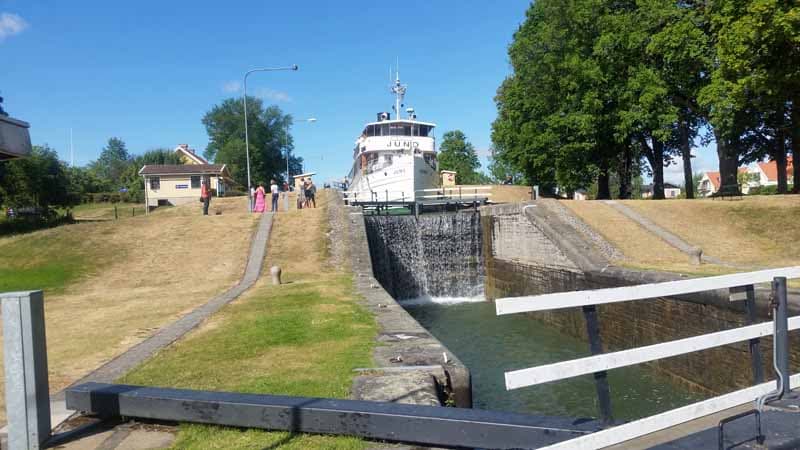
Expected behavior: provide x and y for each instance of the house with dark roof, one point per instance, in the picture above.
(166, 184)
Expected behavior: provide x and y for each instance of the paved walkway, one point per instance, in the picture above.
(137, 354)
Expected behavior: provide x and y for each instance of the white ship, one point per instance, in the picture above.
(394, 159)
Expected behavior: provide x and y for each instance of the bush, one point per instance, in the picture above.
(27, 224)
(767, 190)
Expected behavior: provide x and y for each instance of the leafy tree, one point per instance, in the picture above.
(112, 164)
(268, 132)
(458, 154)
(755, 85)
(500, 169)
(39, 180)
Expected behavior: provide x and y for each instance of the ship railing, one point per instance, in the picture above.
(470, 193)
(740, 286)
(377, 196)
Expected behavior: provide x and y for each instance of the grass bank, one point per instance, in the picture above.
(752, 232)
(304, 337)
(110, 285)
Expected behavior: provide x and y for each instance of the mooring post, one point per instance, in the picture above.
(116, 216)
(600, 378)
(755, 347)
(25, 358)
(781, 331)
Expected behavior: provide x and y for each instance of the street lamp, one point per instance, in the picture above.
(246, 137)
(286, 144)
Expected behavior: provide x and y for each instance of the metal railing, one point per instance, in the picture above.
(740, 286)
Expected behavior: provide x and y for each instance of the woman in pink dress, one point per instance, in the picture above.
(260, 205)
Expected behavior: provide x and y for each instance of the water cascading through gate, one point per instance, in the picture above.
(437, 255)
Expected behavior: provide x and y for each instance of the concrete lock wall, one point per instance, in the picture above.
(527, 254)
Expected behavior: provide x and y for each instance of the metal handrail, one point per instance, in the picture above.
(599, 363)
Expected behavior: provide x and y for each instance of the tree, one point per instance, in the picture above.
(458, 154)
(112, 164)
(268, 132)
(39, 180)
(755, 85)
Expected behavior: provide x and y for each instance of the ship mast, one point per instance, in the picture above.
(399, 91)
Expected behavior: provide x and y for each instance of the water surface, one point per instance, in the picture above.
(490, 345)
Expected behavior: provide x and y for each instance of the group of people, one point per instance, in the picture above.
(305, 198)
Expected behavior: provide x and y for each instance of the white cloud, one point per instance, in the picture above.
(11, 24)
(231, 87)
(273, 95)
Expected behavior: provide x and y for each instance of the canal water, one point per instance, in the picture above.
(434, 266)
(490, 345)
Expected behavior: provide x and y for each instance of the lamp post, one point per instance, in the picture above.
(286, 144)
(246, 137)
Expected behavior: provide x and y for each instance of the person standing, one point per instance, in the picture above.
(301, 194)
(273, 188)
(261, 204)
(311, 191)
(205, 195)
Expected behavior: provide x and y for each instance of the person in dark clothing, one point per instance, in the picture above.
(311, 191)
(205, 195)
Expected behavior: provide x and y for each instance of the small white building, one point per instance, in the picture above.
(670, 191)
(168, 184)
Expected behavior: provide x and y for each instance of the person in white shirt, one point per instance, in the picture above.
(273, 188)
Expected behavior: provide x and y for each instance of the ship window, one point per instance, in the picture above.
(384, 130)
(387, 159)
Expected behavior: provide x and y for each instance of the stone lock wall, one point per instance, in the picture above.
(522, 260)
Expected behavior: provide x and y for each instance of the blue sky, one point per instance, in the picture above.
(148, 71)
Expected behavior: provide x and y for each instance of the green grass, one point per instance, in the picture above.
(303, 338)
(49, 259)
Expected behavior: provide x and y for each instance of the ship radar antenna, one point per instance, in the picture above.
(399, 90)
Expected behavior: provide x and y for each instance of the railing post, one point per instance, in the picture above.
(755, 348)
(781, 331)
(600, 378)
(25, 358)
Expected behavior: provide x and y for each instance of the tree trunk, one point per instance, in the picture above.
(779, 155)
(796, 144)
(686, 153)
(656, 159)
(603, 182)
(625, 173)
(728, 166)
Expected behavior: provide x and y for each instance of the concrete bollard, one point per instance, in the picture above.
(275, 271)
(696, 256)
(25, 358)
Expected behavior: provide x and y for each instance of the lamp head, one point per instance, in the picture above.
(294, 67)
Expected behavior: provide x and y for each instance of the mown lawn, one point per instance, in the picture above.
(304, 337)
(49, 260)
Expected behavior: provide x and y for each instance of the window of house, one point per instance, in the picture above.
(196, 182)
(155, 182)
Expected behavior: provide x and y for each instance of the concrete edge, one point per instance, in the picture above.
(403, 344)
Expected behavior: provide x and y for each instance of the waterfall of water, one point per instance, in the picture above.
(436, 255)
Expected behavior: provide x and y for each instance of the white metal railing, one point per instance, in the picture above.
(378, 195)
(639, 292)
(606, 361)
